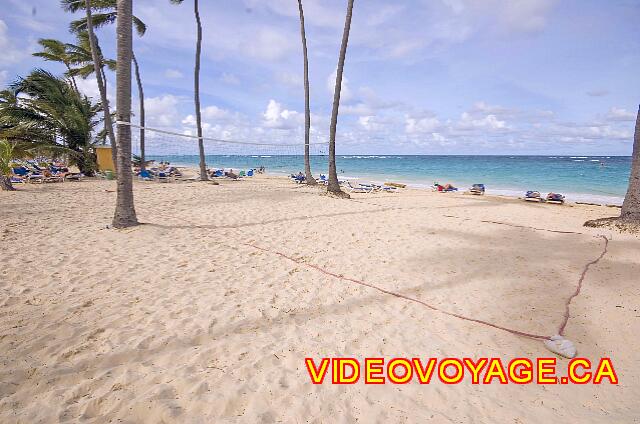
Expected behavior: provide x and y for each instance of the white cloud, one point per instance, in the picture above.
(369, 123)
(421, 125)
(362, 109)
(620, 114)
(277, 117)
(173, 73)
(162, 110)
(89, 87)
(290, 79)
(345, 91)
(489, 122)
(268, 44)
(214, 112)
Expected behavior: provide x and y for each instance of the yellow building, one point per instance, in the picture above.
(105, 160)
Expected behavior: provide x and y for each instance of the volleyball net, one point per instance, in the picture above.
(182, 150)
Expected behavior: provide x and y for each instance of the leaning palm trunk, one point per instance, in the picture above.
(631, 206)
(307, 110)
(333, 185)
(72, 78)
(97, 65)
(5, 183)
(141, 97)
(196, 83)
(125, 214)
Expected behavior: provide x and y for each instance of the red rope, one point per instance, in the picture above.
(452, 314)
(579, 286)
(400, 295)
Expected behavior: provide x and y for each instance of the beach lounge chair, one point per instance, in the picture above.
(477, 189)
(162, 176)
(444, 188)
(20, 171)
(323, 179)
(145, 175)
(242, 174)
(218, 173)
(50, 177)
(362, 188)
(73, 176)
(533, 196)
(250, 173)
(555, 198)
(35, 178)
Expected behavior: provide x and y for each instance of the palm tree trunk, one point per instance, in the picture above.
(307, 110)
(333, 185)
(5, 183)
(196, 83)
(98, 69)
(73, 79)
(141, 97)
(631, 205)
(125, 213)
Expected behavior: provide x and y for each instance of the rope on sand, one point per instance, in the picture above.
(579, 286)
(435, 308)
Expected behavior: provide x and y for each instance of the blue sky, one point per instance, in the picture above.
(422, 76)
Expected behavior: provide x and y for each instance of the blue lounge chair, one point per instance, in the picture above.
(533, 196)
(20, 171)
(556, 198)
(362, 188)
(477, 189)
(145, 175)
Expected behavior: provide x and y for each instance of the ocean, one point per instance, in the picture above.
(599, 179)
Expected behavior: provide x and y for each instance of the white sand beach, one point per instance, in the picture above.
(182, 320)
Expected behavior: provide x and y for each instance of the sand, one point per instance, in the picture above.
(182, 320)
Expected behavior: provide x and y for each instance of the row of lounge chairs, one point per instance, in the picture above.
(31, 172)
(534, 196)
(160, 174)
(348, 185)
(477, 189)
(221, 173)
(366, 188)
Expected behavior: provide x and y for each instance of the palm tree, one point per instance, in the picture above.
(196, 84)
(44, 112)
(631, 206)
(125, 213)
(141, 110)
(81, 58)
(6, 156)
(307, 111)
(106, 13)
(74, 6)
(333, 185)
(56, 51)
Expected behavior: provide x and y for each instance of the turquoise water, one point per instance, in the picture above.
(601, 179)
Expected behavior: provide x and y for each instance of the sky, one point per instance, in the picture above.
(421, 76)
